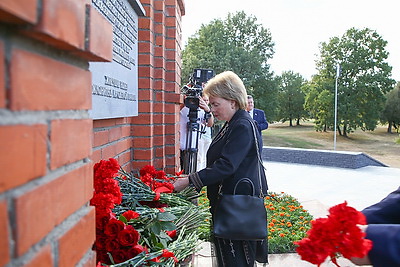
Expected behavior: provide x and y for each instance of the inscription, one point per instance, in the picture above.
(112, 93)
(124, 28)
(115, 83)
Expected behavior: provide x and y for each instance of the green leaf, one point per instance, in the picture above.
(168, 226)
(122, 219)
(166, 216)
(156, 228)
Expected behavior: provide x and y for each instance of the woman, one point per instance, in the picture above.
(232, 155)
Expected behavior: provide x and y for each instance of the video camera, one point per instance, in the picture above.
(194, 89)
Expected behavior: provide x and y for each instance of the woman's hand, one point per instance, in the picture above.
(181, 183)
(365, 260)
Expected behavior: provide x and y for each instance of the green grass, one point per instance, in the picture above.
(379, 144)
(291, 141)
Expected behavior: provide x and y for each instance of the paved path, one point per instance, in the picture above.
(319, 188)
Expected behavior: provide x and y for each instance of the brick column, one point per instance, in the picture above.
(156, 129)
(45, 130)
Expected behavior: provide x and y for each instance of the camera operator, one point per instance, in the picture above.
(204, 119)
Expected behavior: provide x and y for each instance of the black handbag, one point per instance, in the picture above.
(241, 217)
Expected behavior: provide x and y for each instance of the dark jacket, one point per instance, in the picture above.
(232, 155)
(261, 121)
(383, 229)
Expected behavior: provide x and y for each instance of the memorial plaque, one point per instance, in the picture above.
(115, 84)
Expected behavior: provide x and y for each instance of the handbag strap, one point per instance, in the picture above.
(244, 180)
(260, 164)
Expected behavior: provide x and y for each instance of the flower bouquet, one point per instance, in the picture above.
(335, 236)
(139, 220)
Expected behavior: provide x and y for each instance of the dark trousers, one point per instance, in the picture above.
(235, 253)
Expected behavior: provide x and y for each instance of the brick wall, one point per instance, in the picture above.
(47, 139)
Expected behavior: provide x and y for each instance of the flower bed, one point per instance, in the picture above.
(287, 222)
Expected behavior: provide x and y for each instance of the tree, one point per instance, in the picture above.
(364, 80)
(391, 112)
(319, 103)
(291, 97)
(239, 44)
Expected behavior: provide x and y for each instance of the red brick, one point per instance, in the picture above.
(143, 131)
(158, 140)
(124, 158)
(2, 81)
(170, 43)
(145, 35)
(123, 145)
(145, 23)
(41, 83)
(109, 151)
(172, 97)
(142, 142)
(139, 154)
(138, 164)
(63, 23)
(170, 10)
(159, 51)
(103, 123)
(144, 83)
(21, 11)
(115, 134)
(159, 5)
(145, 107)
(77, 241)
(43, 258)
(170, 22)
(70, 141)
(96, 155)
(23, 144)
(171, 129)
(40, 210)
(144, 71)
(4, 234)
(145, 59)
(101, 35)
(126, 131)
(100, 138)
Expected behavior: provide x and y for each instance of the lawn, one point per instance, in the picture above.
(378, 143)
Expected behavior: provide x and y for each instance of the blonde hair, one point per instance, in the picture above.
(229, 86)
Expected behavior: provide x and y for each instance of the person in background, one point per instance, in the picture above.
(232, 156)
(205, 137)
(383, 228)
(203, 112)
(257, 114)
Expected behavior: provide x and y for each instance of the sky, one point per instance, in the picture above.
(299, 26)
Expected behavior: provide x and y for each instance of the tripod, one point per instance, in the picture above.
(192, 144)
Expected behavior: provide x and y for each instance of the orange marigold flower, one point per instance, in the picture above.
(281, 235)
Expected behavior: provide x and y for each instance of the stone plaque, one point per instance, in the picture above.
(115, 84)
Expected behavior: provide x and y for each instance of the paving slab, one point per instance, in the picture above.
(318, 188)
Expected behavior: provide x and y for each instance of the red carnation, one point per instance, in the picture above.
(171, 234)
(335, 235)
(130, 214)
(148, 169)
